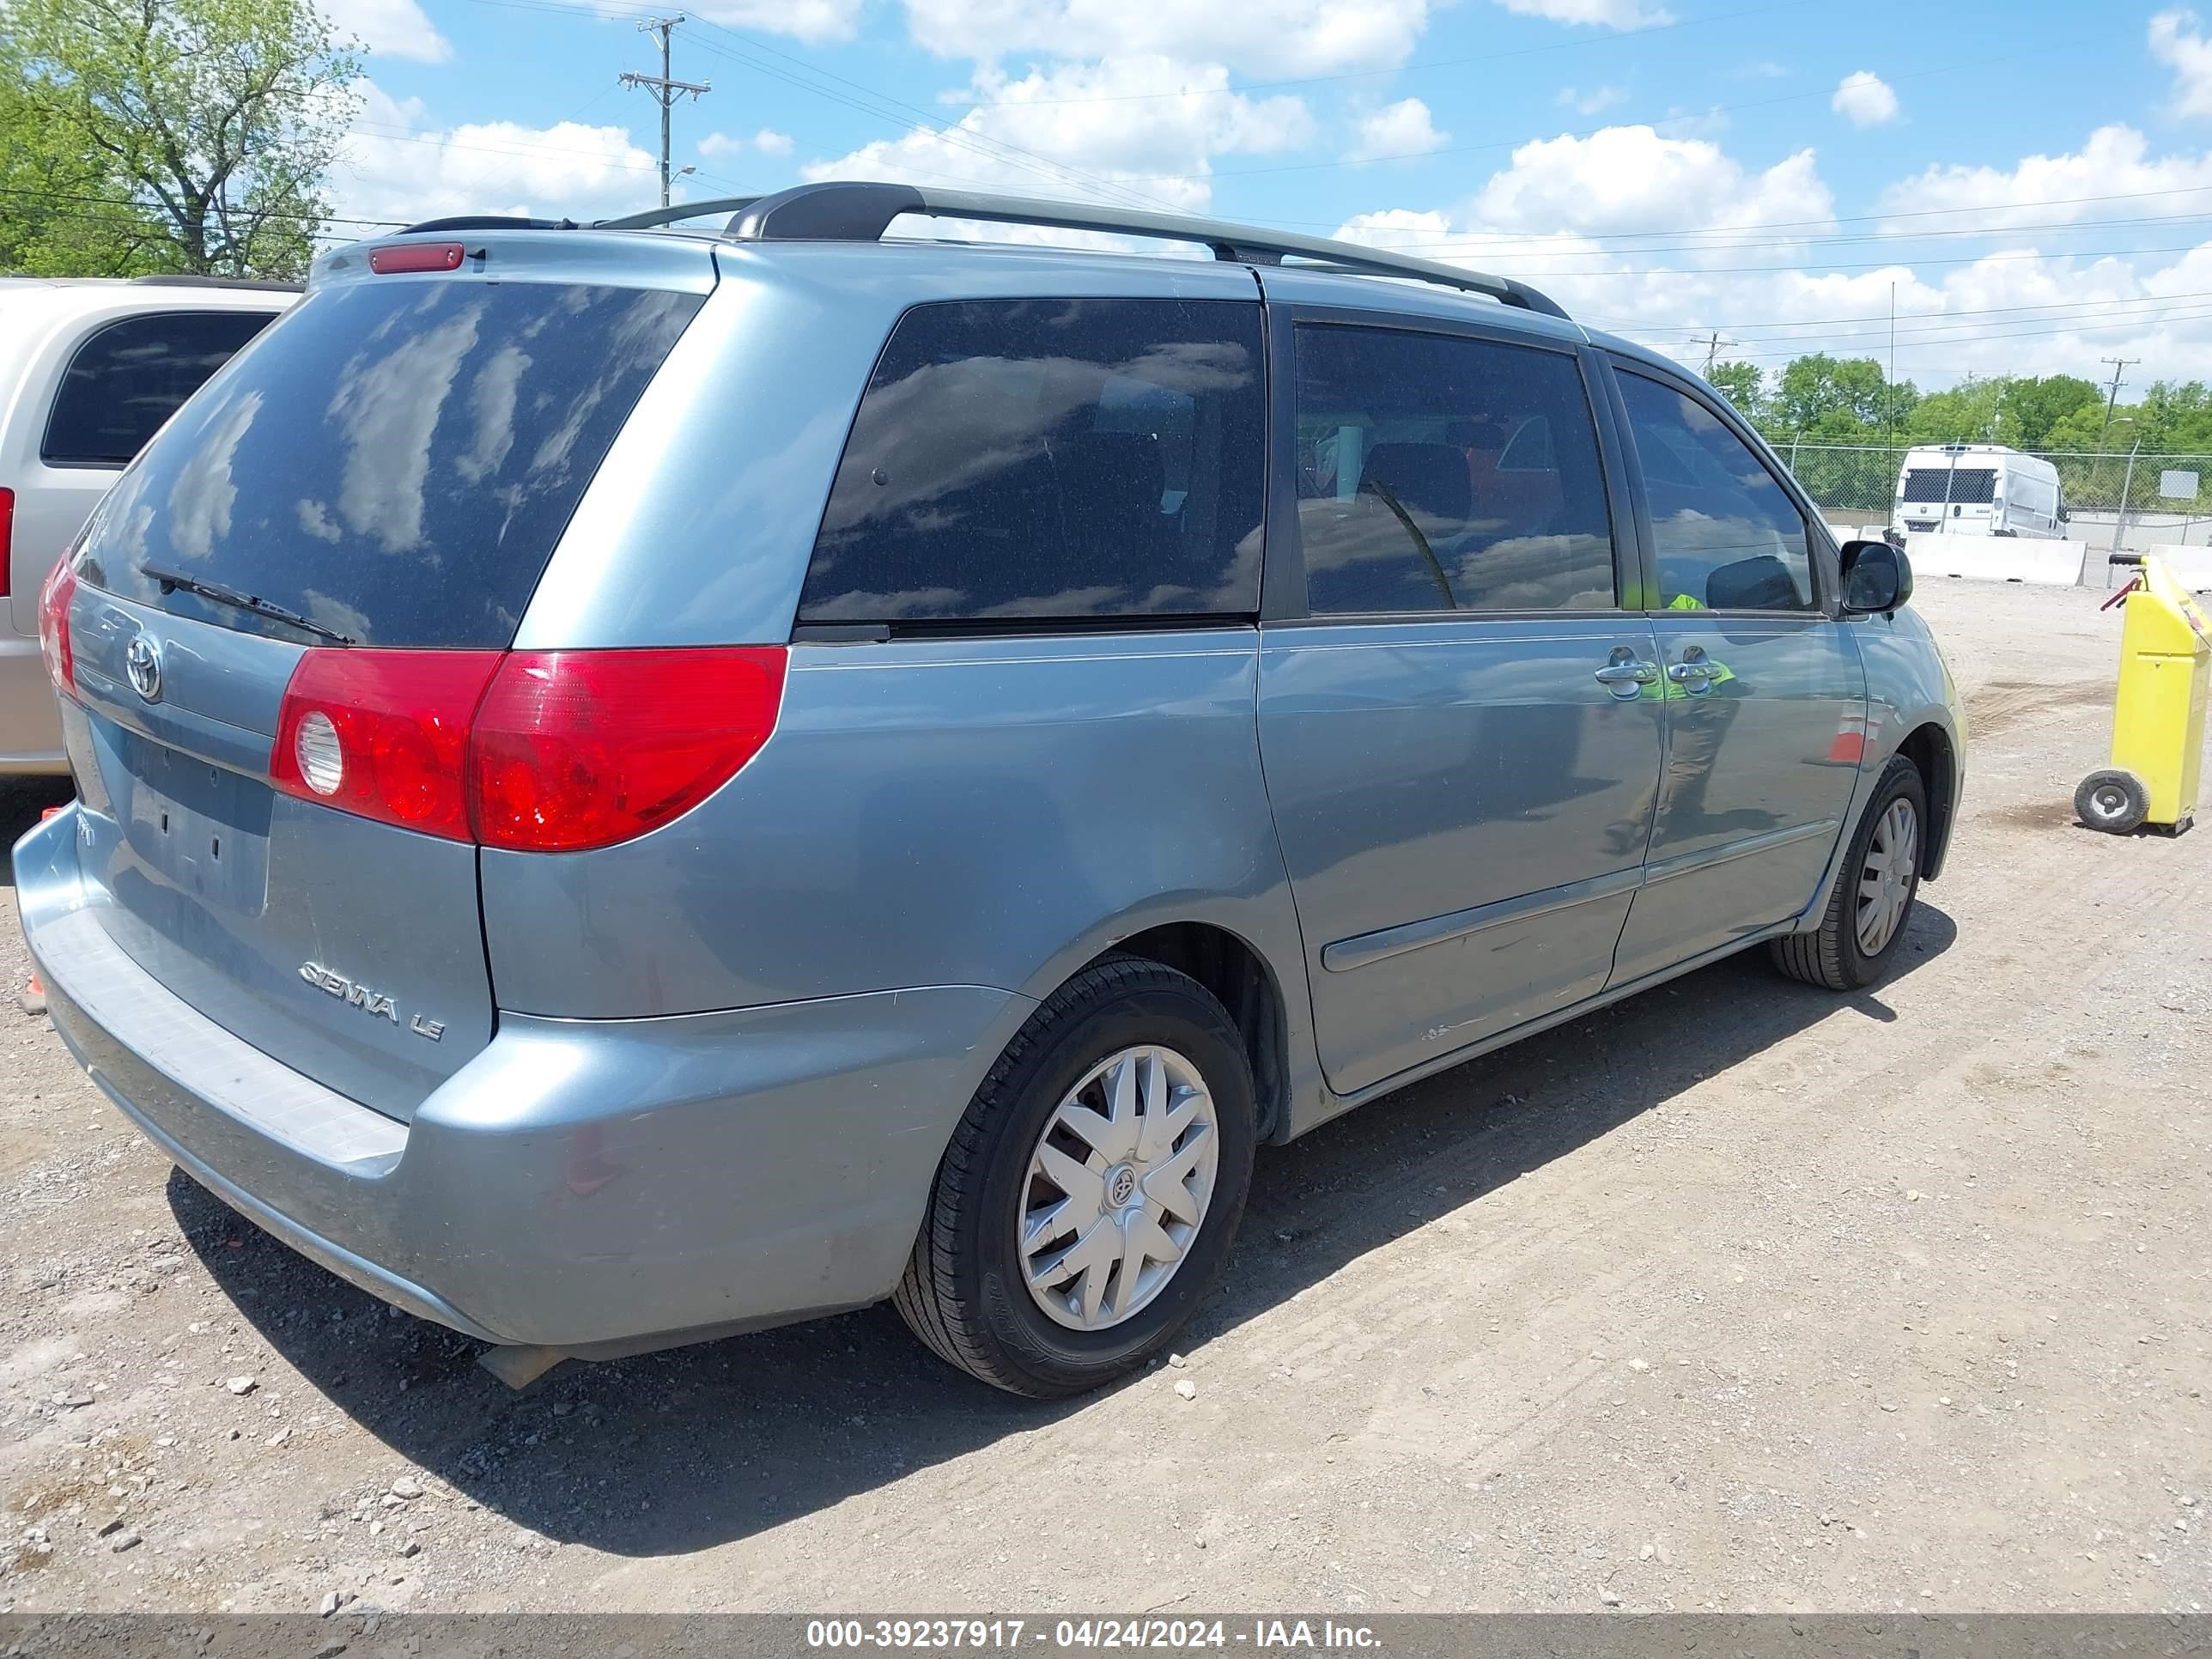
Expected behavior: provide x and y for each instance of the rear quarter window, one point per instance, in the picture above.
(1051, 459)
(127, 377)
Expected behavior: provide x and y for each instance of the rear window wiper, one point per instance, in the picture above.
(173, 580)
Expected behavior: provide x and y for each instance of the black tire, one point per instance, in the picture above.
(2112, 800)
(1829, 956)
(963, 1292)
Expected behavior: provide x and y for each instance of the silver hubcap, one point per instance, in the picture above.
(1886, 882)
(1117, 1187)
(2110, 801)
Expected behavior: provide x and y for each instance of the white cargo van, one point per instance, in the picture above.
(1979, 490)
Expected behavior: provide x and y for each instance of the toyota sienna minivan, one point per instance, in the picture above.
(639, 783)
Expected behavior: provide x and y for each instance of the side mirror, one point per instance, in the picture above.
(1876, 577)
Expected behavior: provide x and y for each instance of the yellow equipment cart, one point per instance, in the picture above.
(2158, 716)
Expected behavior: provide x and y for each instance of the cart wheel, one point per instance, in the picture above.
(2113, 801)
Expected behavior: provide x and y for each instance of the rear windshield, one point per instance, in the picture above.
(1051, 459)
(1974, 485)
(394, 460)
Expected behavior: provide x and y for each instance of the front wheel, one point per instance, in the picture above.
(1087, 1202)
(1875, 892)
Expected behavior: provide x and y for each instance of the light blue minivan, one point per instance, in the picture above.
(639, 783)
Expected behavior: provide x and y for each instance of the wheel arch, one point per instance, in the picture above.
(1242, 980)
(1929, 748)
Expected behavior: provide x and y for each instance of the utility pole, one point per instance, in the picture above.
(1713, 351)
(2118, 363)
(1889, 391)
(664, 90)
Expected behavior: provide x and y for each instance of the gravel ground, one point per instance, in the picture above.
(1736, 1295)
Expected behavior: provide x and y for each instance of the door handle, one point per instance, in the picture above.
(1624, 675)
(1694, 673)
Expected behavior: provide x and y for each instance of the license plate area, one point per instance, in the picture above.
(198, 829)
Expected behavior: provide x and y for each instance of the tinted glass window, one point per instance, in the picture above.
(1437, 473)
(395, 461)
(1727, 534)
(1052, 459)
(1975, 485)
(130, 377)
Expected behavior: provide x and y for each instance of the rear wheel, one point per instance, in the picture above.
(1873, 900)
(2114, 801)
(1087, 1202)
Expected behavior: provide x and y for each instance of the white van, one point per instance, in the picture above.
(1979, 490)
(89, 368)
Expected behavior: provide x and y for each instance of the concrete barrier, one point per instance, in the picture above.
(1998, 558)
(2190, 566)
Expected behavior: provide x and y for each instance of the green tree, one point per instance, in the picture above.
(63, 212)
(1966, 413)
(1743, 385)
(2030, 407)
(1838, 399)
(216, 119)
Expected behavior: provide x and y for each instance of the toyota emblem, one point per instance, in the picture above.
(142, 661)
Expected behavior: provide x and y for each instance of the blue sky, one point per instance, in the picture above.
(2033, 179)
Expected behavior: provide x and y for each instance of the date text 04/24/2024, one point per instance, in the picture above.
(947, 1635)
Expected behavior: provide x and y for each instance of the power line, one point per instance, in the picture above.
(1877, 265)
(1514, 143)
(664, 91)
(130, 201)
(908, 116)
(1972, 336)
(1476, 248)
(1978, 311)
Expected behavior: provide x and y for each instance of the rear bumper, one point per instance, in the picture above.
(30, 723)
(580, 1184)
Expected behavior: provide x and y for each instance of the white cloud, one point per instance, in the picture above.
(1606, 13)
(813, 21)
(1594, 100)
(1631, 178)
(718, 146)
(2177, 39)
(2115, 162)
(1400, 128)
(1766, 69)
(389, 29)
(1092, 123)
(394, 166)
(1275, 37)
(1554, 215)
(1864, 98)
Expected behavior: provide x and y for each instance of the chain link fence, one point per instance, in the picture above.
(1850, 480)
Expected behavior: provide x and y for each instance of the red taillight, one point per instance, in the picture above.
(7, 541)
(54, 623)
(415, 256)
(383, 733)
(534, 751)
(581, 749)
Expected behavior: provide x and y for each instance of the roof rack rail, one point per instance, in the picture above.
(669, 215)
(848, 211)
(266, 284)
(487, 221)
